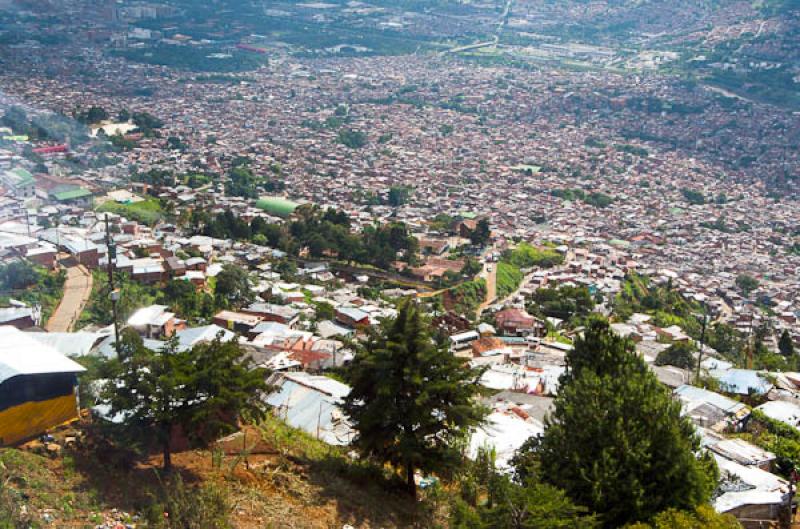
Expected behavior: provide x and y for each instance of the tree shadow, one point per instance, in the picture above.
(115, 480)
(364, 494)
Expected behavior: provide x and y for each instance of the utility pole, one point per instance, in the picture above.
(113, 295)
(750, 342)
(702, 341)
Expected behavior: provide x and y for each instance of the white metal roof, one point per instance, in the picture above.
(786, 412)
(22, 355)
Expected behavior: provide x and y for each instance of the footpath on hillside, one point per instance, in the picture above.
(77, 290)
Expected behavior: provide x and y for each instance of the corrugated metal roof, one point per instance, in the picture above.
(311, 403)
(69, 343)
(22, 355)
(748, 486)
(741, 381)
(189, 337)
(786, 412)
(692, 397)
(742, 452)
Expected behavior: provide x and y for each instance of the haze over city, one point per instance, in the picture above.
(410, 263)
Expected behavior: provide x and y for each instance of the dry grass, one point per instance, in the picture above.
(277, 478)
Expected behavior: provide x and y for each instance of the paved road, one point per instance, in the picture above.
(501, 23)
(77, 289)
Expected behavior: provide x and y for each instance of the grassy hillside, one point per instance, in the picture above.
(282, 479)
(147, 211)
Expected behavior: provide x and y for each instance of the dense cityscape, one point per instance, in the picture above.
(356, 264)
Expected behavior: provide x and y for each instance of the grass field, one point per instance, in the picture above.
(148, 211)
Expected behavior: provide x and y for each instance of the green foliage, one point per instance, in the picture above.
(412, 402)
(354, 139)
(147, 211)
(666, 305)
(325, 233)
(471, 267)
(695, 198)
(146, 122)
(468, 296)
(489, 500)
(776, 437)
(204, 391)
(17, 275)
(121, 142)
(616, 441)
(527, 256)
(786, 344)
(156, 177)
(94, 114)
(233, 287)
(180, 506)
(632, 149)
(324, 311)
(535, 506)
(442, 222)
(197, 59)
(398, 195)
(565, 302)
(482, 233)
(242, 182)
(595, 198)
(747, 284)
(133, 295)
(704, 517)
(680, 354)
(184, 298)
(509, 277)
(45, 126)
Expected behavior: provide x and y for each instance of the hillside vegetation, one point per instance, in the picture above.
(273, 476)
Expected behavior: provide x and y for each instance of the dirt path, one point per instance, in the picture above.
(491, 286)
(77, 289)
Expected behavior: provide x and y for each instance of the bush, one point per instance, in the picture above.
(179, 506)
(527, 256)
(354, 139)
(680, 354)
(509, 278)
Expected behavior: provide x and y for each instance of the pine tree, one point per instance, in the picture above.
(411, 401)
(616, 441)
(786, 344)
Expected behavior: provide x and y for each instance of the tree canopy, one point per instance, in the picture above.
(786, 344)
(201, 392)
(616, 441)
(233, 287)
(747, 284)
(412, 401)
(482, 233)
(679, 354)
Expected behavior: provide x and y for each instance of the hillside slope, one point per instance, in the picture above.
(282, 479)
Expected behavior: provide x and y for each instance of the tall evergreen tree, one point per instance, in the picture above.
(616, 441)
(786, 344)
(412, 401)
